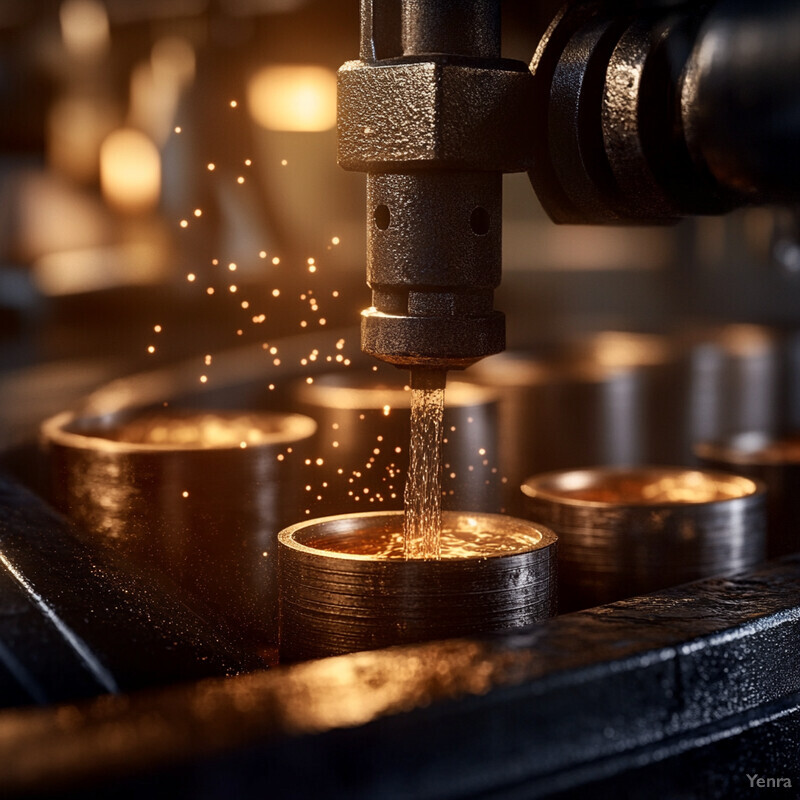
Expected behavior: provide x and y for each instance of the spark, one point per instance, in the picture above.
(387, 410)
(177, 129)
(191, 277)
(276, 260)
(210, 290)
(151, 349)
(335, 240)
(262, 253)
(232, 266)
(276, 292)
(245, 304)
(234, 104)
(157, 328)
(184, 494)
(243, 445)
(284, 162)
(198, 212)
(204, 379)
(207, 359)
(240, 179)
(211, 167)
(309, 380)
(247, 162)
(184, 223)
(233, 288)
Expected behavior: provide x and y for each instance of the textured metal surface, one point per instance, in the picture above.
(434, 129)
(408, 116)
(649, 114)
(694, 686)
(177, 491)
(363, 440)
(432, 268)
(625, 532)
(775, 461)
(335, 600)
(76, 622)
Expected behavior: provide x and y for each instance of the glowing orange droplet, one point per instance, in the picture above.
(234, 104)
(211, 167)
(151, 349)
(184, 494)
(191, 277)
(203, 378)
(276, 261)
(198, 212)
(184, 223)
(276, 292)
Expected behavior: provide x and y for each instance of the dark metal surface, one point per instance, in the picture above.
(694, 687)
(651, 113)
(434, 118)
(773, 460)
(740, 98)
(338, 596)
(76, 622)
(629, 531)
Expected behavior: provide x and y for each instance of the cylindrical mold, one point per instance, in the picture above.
(627, 532)
(776, 463)
(362, 444)
(345, 586)
(561, 415)
(200, 495)
(734, 374)
(661, 412)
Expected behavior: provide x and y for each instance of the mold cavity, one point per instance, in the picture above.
(383, 217)
(479, 221)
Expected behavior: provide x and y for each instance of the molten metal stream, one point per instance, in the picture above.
(422, 523)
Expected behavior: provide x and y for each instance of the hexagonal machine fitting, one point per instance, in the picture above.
(434, 117)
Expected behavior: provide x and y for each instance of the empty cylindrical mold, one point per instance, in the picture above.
(661, 414)
(345, 586)
(201, 495)
(734, 381)
(775, 461)
(630, 531)
(362, 444)
(561, 415)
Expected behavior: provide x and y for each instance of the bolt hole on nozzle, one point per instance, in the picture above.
(479, 221)
(382, 217)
